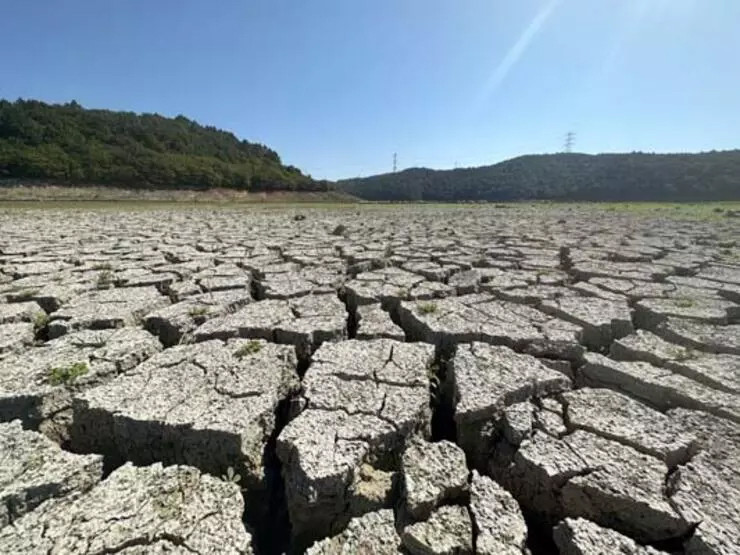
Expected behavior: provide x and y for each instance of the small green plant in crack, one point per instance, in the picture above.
(198, 311)
(104, 280)
(684, 303)
(66, 375)
(426, 308)
(231, 476)
(103, 266)
(249, 348)
(40, 320)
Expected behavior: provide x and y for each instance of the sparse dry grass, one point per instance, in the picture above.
(249, 348)
(426, 308)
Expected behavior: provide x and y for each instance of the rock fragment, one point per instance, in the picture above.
(11, 313)
(728, 291)
(578, 536)
(156, 509)
(700, 336)
(617, 417)
(305, 322)
(517, 422)
(210, 405)
(719, 437)
(550, 422)
(721, 274)
(375, 323)
(535, 294)
(707, 488)
(142, 277)
(364, 399)
(602, 320)
(307, 281)
(387, 287)
(719, 371)
(372, 490)
(586, 475)
(15, 337)
(447, 322)
(433, 473)
(371, 533)
(707, 494)
(634, 290)
(649, 313)
(448, 531)
(644, 271)
(34, 469)
(37, 385)
(485, 380)
(450, 321)
(466, 282)
(174, 323)
(48, 295)
(498, 521)
(660, 387)
(105, 309)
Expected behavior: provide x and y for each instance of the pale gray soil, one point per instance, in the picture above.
(410, 379)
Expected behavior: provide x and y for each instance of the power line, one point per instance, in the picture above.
(395, 162)
(570, 139)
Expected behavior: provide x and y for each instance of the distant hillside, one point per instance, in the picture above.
(68, 144)
(607, 177)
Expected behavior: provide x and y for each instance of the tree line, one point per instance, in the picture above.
(635, 176)
(69, 144)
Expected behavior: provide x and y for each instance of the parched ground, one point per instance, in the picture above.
(428, 379)
(30, 191)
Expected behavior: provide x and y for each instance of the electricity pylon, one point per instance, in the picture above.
(570, 139)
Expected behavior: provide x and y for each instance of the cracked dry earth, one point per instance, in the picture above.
(421, 380)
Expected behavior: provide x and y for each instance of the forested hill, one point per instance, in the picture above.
(69, 144)
(612, 177)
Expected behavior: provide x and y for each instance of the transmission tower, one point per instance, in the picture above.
(395, 162)
(570, 139)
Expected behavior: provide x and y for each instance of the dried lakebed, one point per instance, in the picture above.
(417, 380)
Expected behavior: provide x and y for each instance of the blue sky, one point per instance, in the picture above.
(338, 86)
